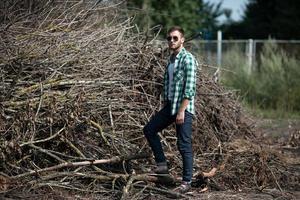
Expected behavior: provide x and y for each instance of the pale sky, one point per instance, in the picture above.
(237, 7)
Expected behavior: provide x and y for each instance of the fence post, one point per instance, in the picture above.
(250, 55)
(219, 52)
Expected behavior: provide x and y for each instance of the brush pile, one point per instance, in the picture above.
(77, 85)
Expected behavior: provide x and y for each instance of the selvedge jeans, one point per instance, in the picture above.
(162, 120)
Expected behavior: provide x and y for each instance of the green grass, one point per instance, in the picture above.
(272, 88)
(271, 113)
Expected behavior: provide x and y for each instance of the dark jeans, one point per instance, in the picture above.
(184, 138)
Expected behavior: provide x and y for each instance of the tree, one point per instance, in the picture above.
(191, 15)
(263, 19)
(209, 14)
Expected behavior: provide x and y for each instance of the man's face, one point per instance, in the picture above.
(175, 40)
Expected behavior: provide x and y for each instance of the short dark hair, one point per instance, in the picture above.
(176, 28)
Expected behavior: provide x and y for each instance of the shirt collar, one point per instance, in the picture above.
(181, 52)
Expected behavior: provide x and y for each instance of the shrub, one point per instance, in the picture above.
(273, 84)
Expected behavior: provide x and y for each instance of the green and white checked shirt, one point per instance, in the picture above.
(184, 81)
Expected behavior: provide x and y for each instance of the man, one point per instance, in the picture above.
(179, 92)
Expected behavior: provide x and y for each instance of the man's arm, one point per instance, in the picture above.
(190, 87)
(190, 77)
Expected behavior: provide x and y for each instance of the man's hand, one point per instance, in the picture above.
(180, 117)
(180, 114)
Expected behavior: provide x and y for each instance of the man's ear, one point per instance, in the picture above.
(182, 39)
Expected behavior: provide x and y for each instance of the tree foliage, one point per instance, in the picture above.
(263, 19)
(192, 15)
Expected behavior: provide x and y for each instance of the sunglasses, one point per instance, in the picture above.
(175, 38)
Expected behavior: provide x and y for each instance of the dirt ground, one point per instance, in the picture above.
(277, 134)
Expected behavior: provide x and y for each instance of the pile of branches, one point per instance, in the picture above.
(77, 85)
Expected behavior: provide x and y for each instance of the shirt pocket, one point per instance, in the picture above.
(179, 76)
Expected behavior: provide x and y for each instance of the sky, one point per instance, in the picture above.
(236, 6)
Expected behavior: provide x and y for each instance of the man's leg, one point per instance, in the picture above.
(184, 143)
(158, 122)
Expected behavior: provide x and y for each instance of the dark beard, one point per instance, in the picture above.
(175, 49)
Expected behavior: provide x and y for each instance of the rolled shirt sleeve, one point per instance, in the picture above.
(190, 77)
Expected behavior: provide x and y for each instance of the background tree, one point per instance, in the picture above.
(209, 23)
(192, 15)
(263, 19)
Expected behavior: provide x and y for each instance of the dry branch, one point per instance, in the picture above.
(116, 159)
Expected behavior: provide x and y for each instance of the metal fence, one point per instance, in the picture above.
(211, 52)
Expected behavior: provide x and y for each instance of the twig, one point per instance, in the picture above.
(80, 153)
(43, 140)
(40, 103)
(275, 179)
(83, 163)
(127, 188)
(100, 131)
(162, 191)
(113, 129)
(47, 152)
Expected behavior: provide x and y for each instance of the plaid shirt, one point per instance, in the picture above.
(184, 81)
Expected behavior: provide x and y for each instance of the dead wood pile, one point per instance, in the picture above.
(78, 83)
